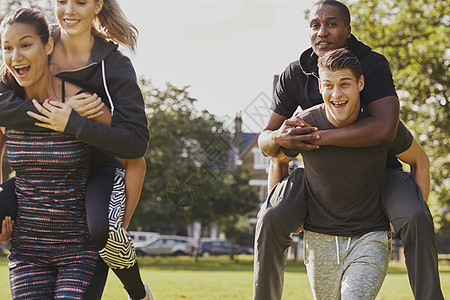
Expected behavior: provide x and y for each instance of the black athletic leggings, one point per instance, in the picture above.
(98, 194)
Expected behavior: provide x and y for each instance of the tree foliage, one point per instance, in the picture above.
(44, 6)
(188, 166)
(414, 35)
(188, 172)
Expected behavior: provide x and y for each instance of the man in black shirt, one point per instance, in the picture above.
(347, 237)
(298, 86)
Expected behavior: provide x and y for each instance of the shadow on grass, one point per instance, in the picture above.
(187, 263)
(242, 263)
(218, 263)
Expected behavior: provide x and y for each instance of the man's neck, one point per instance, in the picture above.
(342, 123)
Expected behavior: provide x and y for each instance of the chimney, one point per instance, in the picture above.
(238, 123)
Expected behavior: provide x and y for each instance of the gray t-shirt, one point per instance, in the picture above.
(344, 184)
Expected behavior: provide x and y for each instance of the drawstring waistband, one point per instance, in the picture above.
(337, 248)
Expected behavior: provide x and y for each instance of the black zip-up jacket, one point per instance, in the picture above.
(299, 85)
(111, 75)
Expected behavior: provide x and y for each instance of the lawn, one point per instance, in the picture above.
(220, 278)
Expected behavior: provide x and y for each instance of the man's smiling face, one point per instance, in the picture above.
(340, 92)
(327, 29)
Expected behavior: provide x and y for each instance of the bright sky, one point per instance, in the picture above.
(227, 50)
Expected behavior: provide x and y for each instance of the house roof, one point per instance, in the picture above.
(250, 140)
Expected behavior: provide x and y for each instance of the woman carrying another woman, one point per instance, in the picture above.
(81, 44)
(52, 255)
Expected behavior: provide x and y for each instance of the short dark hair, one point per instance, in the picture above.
(343, 9)
(340, 59)
(23, 16)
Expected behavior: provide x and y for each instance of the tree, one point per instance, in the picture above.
(44, 6)
(188, 166)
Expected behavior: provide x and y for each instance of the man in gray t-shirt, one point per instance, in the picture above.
(347, 238)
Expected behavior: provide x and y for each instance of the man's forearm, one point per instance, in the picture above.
(266, 143)
(378, 128)
(360, 134)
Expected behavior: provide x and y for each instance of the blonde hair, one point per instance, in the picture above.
(111, 24)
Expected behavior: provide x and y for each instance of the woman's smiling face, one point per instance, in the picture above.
(75, 16)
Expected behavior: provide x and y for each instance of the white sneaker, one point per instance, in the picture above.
(148, 294)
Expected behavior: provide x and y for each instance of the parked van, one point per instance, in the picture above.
(142, 237)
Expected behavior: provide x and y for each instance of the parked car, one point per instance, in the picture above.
(221, 247)
(165, 245)
(140, 237)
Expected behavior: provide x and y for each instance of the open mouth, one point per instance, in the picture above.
(322, 43)
(339, 104)
(22, 70)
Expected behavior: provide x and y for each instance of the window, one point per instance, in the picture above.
(260, 162)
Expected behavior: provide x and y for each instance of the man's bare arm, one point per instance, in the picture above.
(380, 127)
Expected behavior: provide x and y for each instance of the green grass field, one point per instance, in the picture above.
(220, 278)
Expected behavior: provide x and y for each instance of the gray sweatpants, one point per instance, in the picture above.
(285, 210)
(346, 268)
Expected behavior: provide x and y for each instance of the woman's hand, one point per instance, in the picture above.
(55, 114)
(7, 228)
(86, 105)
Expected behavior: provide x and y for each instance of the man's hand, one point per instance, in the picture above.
(86, 105)
(7, 228)
(295, 133)
(55, 114)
